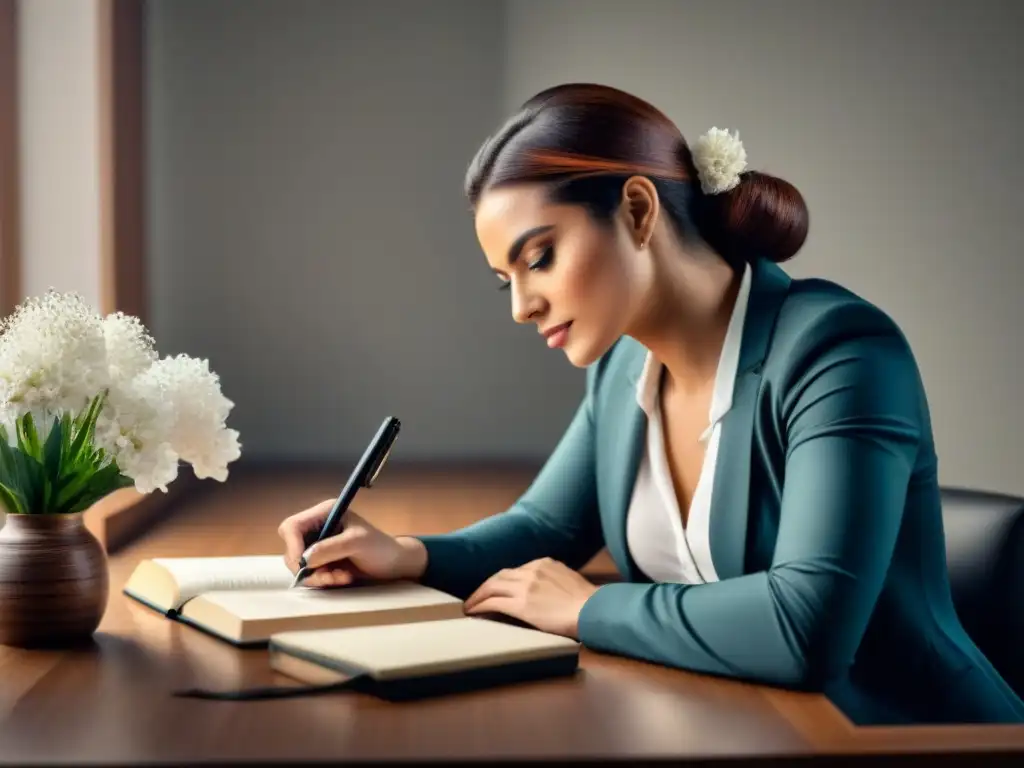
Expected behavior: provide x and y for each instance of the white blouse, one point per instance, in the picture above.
(657, 540)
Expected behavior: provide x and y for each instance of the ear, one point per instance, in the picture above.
(640, 208)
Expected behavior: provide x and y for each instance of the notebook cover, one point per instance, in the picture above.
(445, 683)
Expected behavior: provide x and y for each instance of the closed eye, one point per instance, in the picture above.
(545, 259)
(542, 262)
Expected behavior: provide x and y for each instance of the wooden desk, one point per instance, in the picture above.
(111, 702)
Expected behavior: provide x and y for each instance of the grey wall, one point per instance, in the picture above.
(306, 168)
(309, 233)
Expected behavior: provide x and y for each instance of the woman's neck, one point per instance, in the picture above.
(686, 315)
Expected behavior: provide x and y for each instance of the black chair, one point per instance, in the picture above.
(985, 554)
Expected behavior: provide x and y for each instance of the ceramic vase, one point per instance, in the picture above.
(54, 582)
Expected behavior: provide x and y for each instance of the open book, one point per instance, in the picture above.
(400, 662)
(244, 600)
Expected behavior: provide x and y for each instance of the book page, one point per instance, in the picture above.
(309, 601)
(196, 575)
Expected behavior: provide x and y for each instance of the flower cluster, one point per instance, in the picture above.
(720, 159)
(87, 405)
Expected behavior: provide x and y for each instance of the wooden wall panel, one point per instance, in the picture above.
(122, 156)
(10, 196)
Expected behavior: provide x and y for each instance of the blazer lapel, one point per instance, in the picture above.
(730, 496)
(626, 434)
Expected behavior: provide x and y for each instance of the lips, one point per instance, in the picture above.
(557, 335)
(555, 329)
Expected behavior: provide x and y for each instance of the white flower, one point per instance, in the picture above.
(130, 348)
(720, 159)
(132, 428)
(52, 356)
(172, 411)
(58, 356)
(197, 432)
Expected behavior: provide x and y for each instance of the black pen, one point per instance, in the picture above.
(363, 476)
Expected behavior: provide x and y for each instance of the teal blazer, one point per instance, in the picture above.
(826, 527)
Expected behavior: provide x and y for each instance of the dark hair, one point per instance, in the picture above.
(585, 140)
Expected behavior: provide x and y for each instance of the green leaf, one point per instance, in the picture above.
(105, 479)
(83, 504)
(66, 431)
(6, 460)
(24, 476)
(11, 473)
(19, 433)
(76, 484)
(52, 461)
(86, 425)
(28, 438)
(101, 483)
(11, 499)
(35, 483)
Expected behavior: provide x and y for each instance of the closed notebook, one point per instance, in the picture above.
(245, 600)
(411, 661)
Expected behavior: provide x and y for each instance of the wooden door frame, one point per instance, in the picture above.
(122, 102)
(10, 177)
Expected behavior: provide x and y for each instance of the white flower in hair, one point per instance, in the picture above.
(720, 159)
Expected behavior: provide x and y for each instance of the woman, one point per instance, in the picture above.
(754, 451)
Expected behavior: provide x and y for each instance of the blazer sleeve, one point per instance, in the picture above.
(852, 411)
(556, 517)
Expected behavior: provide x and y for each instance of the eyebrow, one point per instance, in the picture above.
(517, 247)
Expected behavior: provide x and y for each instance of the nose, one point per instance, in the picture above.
(525, 306)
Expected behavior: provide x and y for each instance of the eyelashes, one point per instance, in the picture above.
(543, 262)
(546, 257)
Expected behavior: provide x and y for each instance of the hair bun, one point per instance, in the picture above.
(762, 216)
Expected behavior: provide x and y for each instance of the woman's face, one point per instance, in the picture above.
(575, 280)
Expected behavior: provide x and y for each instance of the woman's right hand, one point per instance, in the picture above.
(360, 551)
